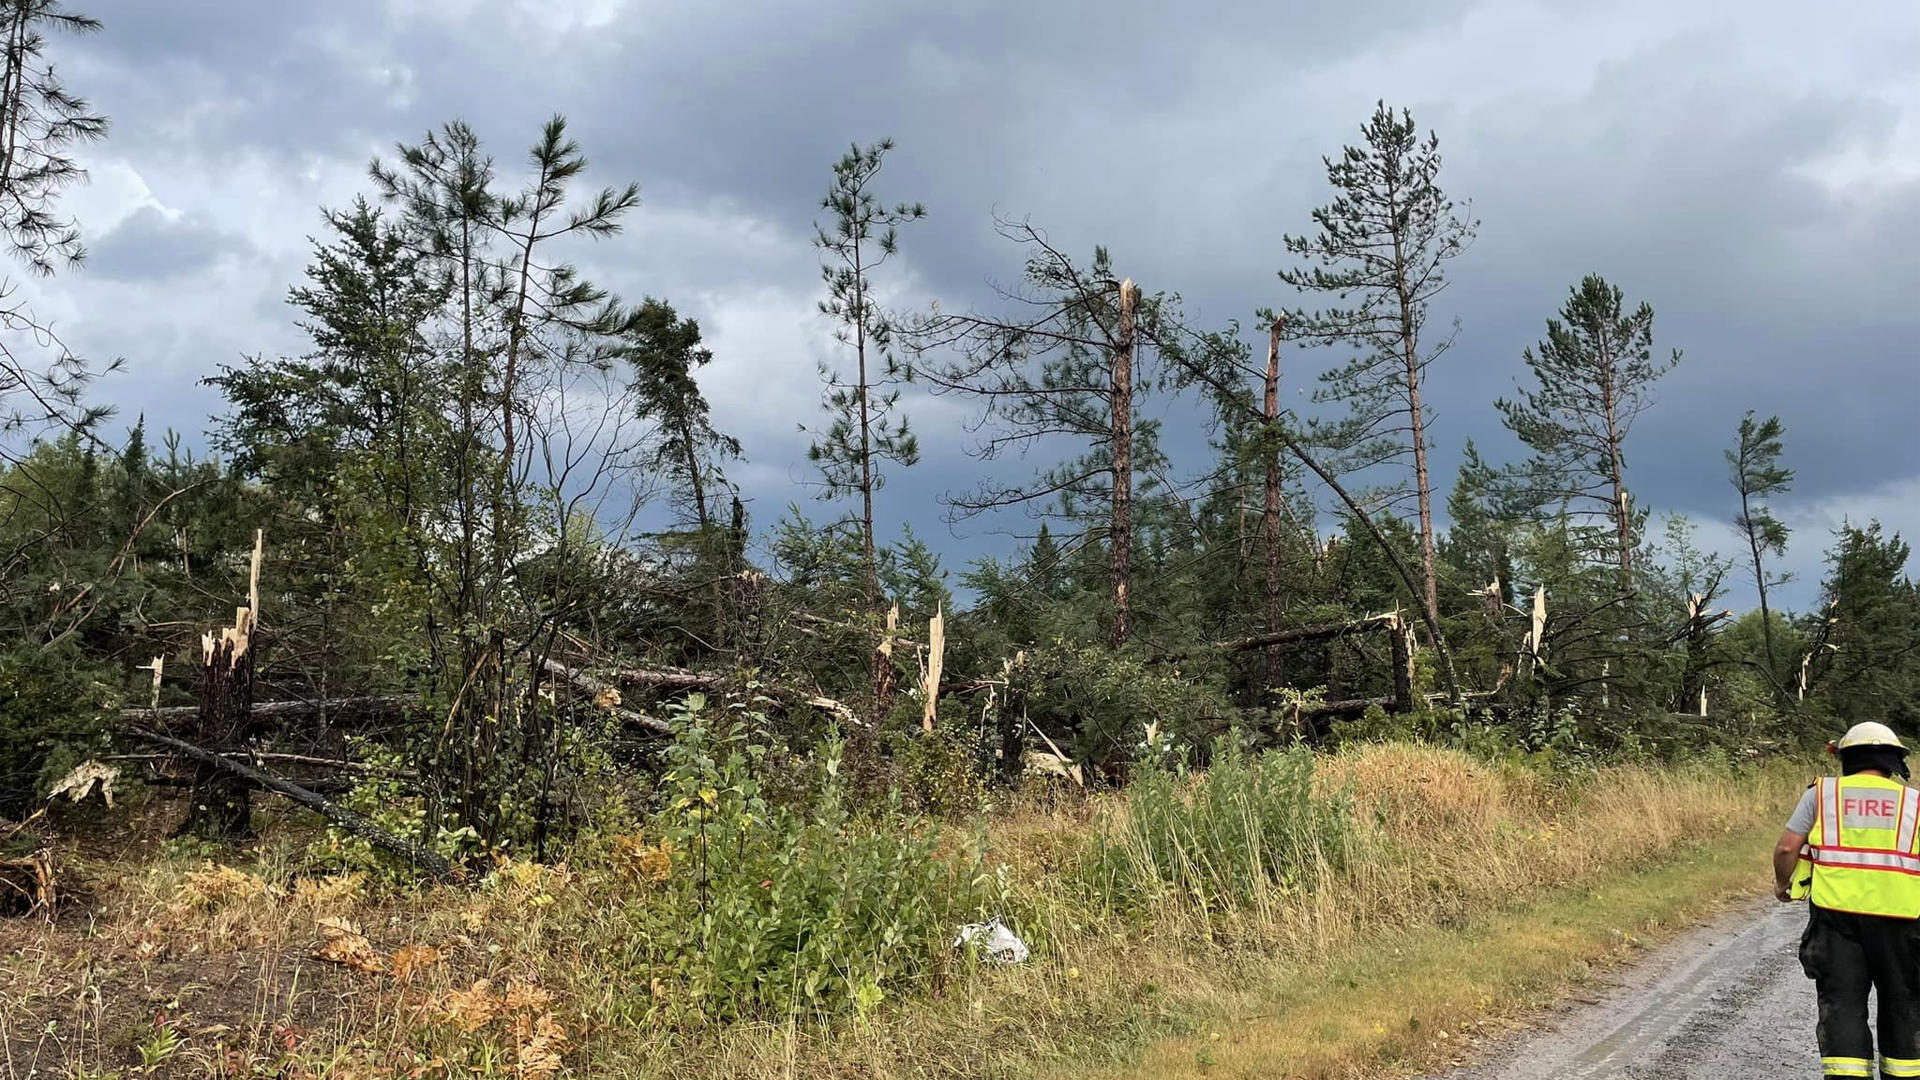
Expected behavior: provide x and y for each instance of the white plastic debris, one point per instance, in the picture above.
(996, 943)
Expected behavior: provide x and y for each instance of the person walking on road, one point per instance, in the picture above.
(1851, 850)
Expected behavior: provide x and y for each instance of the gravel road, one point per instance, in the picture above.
(1728, 1000)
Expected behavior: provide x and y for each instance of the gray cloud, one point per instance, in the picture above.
(150, 246)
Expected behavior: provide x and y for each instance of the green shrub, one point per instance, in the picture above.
(770, 911)
(1249, 826)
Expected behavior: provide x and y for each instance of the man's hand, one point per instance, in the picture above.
(1783, 893)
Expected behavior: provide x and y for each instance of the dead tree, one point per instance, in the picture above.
(1270, 506)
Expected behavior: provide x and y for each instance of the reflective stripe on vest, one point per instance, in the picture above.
(1863, 847)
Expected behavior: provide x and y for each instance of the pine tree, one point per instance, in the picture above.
(1073, 364)
(1383, 245)
(865, 428)
(131, 498)
(1756, 473)
(1593, 377)
(1866, 659)
(1476, 543)
(41, 123)
(664, 351)
(911, 574)
(525, 328)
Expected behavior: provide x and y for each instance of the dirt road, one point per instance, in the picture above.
(1728, 1000)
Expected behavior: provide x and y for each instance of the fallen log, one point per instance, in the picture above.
(1321, 632)
(369, 707)
(295, 759)
(841, 624)
(663, 678)
(1342, 707)
(435, 864)
(1357, 705)
(608, 695)
(654, 678)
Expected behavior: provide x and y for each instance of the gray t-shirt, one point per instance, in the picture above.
(1802, 819)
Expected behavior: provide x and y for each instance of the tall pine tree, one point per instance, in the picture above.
(1382, 246)
(865, 428)
(1756, 472)
(1592, 378)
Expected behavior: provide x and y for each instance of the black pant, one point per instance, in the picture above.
(1847, 955)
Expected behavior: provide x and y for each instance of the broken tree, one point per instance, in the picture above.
(220, 808)
(1067, 365)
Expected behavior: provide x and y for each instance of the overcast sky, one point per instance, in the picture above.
(1752, 169)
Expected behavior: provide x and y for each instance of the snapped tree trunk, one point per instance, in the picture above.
(1120, 532)
(1270, 509)
(220, 808)
(221, 805)
(1616, 464)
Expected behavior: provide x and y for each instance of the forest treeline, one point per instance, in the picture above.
(498, 537)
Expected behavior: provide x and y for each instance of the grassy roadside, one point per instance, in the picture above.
(1446, 889)
(1424, 997)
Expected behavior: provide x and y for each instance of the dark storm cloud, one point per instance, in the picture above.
(1698, 158)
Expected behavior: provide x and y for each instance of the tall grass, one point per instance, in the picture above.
(1189, 897)
(1250, 830)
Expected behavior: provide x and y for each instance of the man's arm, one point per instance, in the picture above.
(1786, 855)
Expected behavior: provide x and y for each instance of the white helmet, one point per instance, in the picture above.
(1869, 733)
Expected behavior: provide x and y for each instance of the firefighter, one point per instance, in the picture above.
(1851, 850)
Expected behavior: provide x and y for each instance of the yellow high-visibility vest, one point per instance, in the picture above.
(1865, 847)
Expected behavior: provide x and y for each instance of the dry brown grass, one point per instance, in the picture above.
(512, 977)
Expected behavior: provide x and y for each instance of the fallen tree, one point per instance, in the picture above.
(1294, 635)
(351, 821)
(1392, 624)
(373, 707)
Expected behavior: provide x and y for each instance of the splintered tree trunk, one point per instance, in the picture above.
(1400, 634)
(1693, 675)
(1012, 723)
(1120, 535)
(1270, 511)
(885, 679)
(1616, 467)
(220, 808)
